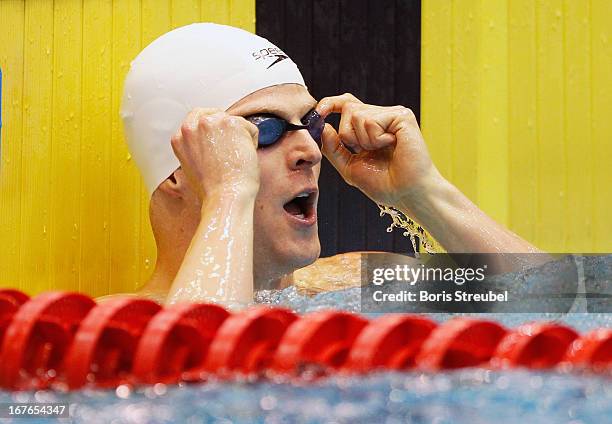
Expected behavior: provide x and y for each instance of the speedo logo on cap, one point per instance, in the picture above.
(271, 54)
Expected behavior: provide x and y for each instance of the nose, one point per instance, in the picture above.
(303, 152)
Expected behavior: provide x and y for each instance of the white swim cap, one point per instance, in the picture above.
(199, 65)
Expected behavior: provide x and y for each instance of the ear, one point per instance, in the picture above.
(175, 185)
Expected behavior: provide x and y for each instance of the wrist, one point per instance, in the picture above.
(242, 193)
(421, 201)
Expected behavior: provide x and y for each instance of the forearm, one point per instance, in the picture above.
(461, 227)
(218, 265)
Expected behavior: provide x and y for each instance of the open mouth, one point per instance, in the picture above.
(302, 207)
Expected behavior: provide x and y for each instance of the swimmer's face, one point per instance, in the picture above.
(285, 220)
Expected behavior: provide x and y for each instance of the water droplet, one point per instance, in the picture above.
(268, 403)
(160, 389)
(123, 391)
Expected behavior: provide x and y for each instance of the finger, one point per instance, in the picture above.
(389, 121)
(334, 104)
(194, 119)
(177, 135)
(377, 135)
(345, 129)
(358, 122)
(251, 128)
(190, 123)
(334, 150)
(200, 111)
(401, 117)
(175, 142)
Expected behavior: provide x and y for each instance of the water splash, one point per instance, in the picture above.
(412, 230)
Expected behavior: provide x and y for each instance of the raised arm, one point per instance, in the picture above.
(217, 153)
(381, 151)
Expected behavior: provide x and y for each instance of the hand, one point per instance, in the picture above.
(390, 159)
(217, 151)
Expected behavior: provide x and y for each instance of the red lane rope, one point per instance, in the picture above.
(534, 345)
(592, 349)
(391, 342)
(37, 338)
(175, 343)
(10, 302)
(103, 348)
(320, 341)
(61, 340)
(246, 341)
(460, 343)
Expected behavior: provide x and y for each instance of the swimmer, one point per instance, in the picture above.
(229, 142)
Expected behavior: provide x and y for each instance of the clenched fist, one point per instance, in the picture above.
(217, 151)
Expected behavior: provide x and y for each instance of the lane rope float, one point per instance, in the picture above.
(63, 340)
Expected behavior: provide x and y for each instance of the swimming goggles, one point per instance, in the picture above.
(272, 128)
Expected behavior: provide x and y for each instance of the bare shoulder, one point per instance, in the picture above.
(338, 272)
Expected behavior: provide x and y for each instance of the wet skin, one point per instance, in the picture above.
(266, 231)
(284, 242)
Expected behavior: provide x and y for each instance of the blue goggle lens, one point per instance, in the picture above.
(315, 124)
(270, 131)
(271, 128)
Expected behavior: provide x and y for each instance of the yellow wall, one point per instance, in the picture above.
(516, 109)
(73, 212)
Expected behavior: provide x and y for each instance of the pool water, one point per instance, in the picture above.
(464, 396)
(469, 396)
